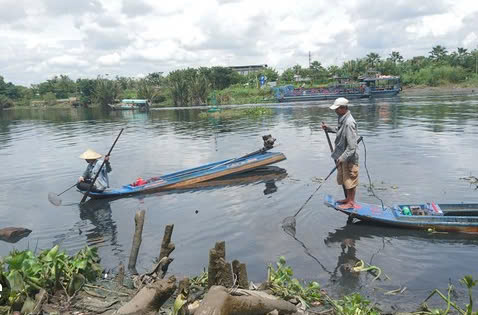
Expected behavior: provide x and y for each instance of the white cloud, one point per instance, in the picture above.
(471, 41)
(129, 38)
(66, 60)
(109, 60)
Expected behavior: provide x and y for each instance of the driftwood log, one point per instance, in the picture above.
(13, 234)
(138, 231)
(218, 301)
(150, 298)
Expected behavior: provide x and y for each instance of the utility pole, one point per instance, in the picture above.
(309, 58)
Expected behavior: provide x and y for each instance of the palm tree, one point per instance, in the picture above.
(373, 59)
(106, 91)
(396, 57)
(438, 53)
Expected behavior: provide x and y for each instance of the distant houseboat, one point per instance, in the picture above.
(131, 104)
(380, 85)
(367, 87)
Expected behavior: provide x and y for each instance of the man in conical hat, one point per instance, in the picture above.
(94, 163)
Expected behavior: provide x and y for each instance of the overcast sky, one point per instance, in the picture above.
(86, 38)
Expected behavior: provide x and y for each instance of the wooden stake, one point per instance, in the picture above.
(166, 246)
(138, 231)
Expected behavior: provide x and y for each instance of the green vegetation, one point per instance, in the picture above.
(23, 274)
(201, 280)
(255, 111)
(282, 284)
(353, 304)
(467, 310)
(197, 86)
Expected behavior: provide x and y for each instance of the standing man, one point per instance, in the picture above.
(345, 153)
(94, 164)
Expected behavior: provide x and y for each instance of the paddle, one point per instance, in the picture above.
(289, 223)
(332, 150)
(98, 173)
(53, 198)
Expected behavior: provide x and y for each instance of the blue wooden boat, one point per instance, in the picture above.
(189, 177)
(369, 86)
(460, 217)
(290, 94)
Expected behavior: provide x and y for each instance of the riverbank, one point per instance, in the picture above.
(237, 95)
(53, 282)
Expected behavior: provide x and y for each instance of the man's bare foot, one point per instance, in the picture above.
(347, 205)
(342, 201)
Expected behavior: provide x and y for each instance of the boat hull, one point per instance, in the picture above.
(190, 177)
(128, 107)
(318, 97)
(445, 220)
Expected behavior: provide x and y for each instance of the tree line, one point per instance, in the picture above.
(197, 85)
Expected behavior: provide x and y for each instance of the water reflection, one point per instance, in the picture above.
(351, 233)
(99, 213)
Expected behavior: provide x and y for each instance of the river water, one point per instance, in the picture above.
(418, 148)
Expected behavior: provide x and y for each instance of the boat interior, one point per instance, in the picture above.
(434, 209)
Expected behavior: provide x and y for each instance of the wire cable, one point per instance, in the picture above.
(368, 175)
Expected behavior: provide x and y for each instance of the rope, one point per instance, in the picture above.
(368, 175)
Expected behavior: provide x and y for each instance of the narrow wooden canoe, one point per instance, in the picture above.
(461, 217)
(189, 177)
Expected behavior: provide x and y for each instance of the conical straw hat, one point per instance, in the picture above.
(90, 155)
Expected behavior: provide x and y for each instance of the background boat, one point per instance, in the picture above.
(369, 86)
(131, 104)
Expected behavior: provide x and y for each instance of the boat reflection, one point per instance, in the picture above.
(358, 230)
(347, 236)
(267, 175)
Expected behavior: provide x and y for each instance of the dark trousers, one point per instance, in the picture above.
(84, 186)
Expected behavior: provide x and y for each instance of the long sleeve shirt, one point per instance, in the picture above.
(346, 140)
(102, 182)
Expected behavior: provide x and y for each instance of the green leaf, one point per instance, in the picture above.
(15, 281)
(76, 283)
(178, 303)
(15, 260)
(81, 264)
(28, 306)
(52, 253)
